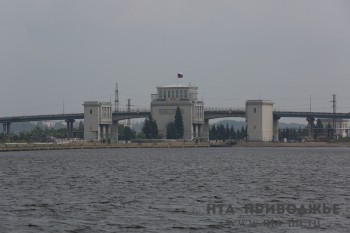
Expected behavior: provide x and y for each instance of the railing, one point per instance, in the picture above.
(132, 110)
(223, 109)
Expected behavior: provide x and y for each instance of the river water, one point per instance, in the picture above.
(175, 190)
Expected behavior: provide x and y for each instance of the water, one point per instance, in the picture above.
(169, 190)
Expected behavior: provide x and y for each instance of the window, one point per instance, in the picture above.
(90, 111)
(254, 110)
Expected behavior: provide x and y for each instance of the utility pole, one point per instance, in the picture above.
(129, 109)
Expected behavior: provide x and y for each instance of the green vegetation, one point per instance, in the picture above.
(41, 133)
(126, 133)
(293, 134)
(179, 125)
(221, 132)
(149, 129)
(175, 130)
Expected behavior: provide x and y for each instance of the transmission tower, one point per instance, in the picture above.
(128, 106)
(116, 99)
(334, 106)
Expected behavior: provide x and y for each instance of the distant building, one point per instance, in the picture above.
(165, 102)
(341, 126)
(97, 120)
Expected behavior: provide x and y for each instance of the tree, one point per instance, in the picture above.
(227, 132)
(171, 131)
(141, 135)
(179, 125)
(126, 133)
(232, 133)
(212, 133)
(153, 127)
(150, 128)
(146, 128)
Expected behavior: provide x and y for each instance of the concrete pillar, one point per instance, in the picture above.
(195, 130)
(109, 131)
(102, 130)
(275, 129)
(114, 132)
(310, 126)
(106, 132)
(205, 130)
(70, 128)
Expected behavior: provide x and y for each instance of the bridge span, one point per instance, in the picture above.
(209, 113)
(280, 114)
(70, 118)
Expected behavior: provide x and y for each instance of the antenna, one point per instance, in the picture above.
(116, 99)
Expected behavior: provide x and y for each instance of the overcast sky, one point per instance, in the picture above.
(62, 50)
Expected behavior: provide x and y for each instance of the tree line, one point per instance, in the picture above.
(41, 133)
(319, 130)
(221, 132)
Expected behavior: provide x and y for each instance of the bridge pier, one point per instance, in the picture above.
(197, 131)
(105, 132)
(275, 129)
(114, 132)
(70, 128)
(310, 126)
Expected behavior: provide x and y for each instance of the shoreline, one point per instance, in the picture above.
(293, 144)
(11, 147)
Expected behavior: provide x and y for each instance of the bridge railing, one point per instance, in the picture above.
(222, 109)
(133, 110)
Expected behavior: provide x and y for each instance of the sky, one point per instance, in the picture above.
(56, 54)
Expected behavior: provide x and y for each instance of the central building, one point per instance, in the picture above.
(165, 102)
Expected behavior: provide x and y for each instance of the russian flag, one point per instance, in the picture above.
(180, 75)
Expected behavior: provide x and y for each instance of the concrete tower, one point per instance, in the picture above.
(97, 120)
(260, 122)
(165, 102)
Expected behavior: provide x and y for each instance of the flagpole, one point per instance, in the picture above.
(179, 75)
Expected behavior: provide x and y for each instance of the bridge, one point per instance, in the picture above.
(280, 114)
(209, 113)
(70, 118)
